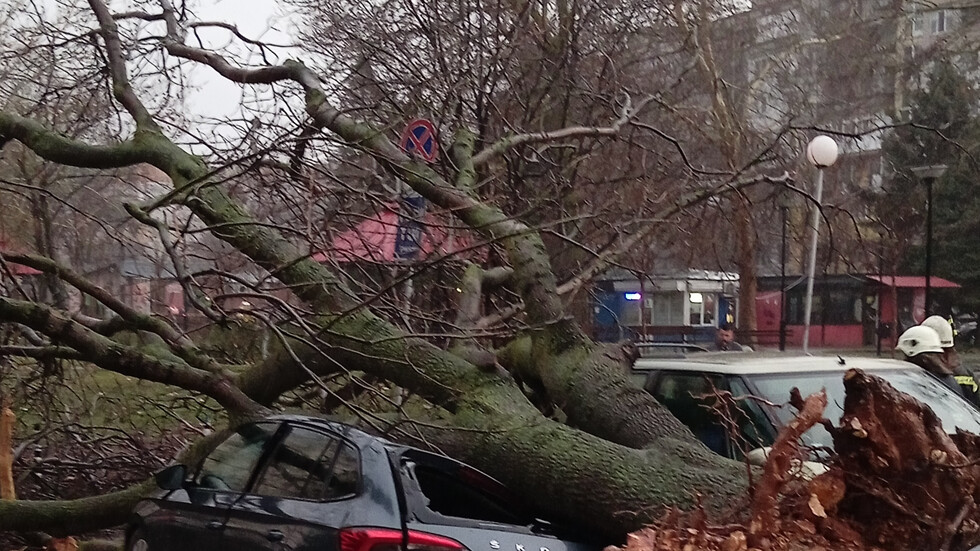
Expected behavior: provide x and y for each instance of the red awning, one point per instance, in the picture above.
(916, 282)
(17, 269)
(373, 240)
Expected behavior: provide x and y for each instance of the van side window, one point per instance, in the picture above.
(684, 395)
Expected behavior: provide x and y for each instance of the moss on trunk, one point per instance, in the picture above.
(594, 482)
(77, 516)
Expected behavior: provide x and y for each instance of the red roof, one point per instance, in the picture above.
(373, 240)
(17, 269)
(914, 281)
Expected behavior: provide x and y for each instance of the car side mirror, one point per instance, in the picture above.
(171, 478)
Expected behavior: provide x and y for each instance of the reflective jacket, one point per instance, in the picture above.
(968, 384)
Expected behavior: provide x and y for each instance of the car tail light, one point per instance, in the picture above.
(383, 539)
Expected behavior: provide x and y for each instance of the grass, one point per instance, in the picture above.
(81, 394)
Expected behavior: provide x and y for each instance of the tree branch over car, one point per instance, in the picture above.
(604, 448)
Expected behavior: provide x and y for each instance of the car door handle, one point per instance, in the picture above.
(214, 525)
(274, 535)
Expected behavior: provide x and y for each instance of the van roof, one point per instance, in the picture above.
(748, 364)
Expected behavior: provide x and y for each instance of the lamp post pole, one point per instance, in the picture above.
(929, 174)
(928, 246)
(782, 283)
(821, 152)
(812, 263)
(881, 284)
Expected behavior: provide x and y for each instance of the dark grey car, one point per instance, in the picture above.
(303, 483)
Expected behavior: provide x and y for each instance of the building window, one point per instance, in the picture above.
(932, 22)
(938, 22)
(667, 309)
(702, 309)
(830, 307)
(630, 314)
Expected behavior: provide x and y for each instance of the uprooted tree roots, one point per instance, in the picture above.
(898, 482)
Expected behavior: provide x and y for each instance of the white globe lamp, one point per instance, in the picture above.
(822, 151)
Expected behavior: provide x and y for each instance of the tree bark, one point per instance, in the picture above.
(746, 260)
(593, 482)
(77, 516)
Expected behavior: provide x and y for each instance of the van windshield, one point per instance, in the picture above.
(952, 410)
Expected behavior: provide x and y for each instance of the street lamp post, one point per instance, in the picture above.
(929, 174)
(783, 207)
(821, 152)
(881, 283)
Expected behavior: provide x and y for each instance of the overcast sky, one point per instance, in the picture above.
(257, 19)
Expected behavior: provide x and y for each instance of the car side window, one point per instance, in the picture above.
(229, 467)
(312, 465)
(683, 393)
(755, 429)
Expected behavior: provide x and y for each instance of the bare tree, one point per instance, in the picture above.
(514, 384)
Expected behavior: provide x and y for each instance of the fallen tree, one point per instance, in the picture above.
(535, 403)
(612, 449)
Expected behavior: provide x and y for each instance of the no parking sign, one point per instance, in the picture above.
(419, 138)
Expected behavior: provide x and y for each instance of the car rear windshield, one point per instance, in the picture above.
(453, 491)
(954, 412)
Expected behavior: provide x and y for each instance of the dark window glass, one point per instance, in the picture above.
(843, 308)
(754, 428)
(310, 465)
(688, 397)
(230, 465)
(830, 306)
(465, 494)
(794, 314)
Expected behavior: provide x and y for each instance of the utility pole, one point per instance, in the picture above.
(929, 174)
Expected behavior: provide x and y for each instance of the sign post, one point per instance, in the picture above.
(408, 240)
(419, 139)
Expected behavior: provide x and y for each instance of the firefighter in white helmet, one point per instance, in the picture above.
(951, 358)
(921, 346)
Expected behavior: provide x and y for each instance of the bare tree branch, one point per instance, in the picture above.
(121, 87)
(183, 346)
(124, 359)
(57, 148)
(186, 281)
(628, 113)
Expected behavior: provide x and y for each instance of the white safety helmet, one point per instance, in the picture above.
(942, 328)
(917, 340)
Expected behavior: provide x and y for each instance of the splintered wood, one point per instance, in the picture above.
(7, 420)
(899, 482)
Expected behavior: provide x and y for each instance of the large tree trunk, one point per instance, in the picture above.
(605, 487)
